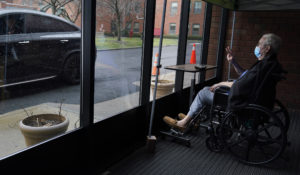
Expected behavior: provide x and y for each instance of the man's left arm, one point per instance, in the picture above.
(223, 83)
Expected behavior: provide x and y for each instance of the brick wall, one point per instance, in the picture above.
(249, 28)
(213, 40)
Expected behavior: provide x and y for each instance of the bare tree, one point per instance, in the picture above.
(119, 12)
(68, 9)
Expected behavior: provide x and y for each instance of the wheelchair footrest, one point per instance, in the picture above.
(179, 136)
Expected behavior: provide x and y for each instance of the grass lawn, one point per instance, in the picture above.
(104, 43)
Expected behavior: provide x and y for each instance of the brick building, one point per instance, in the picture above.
(172, 18)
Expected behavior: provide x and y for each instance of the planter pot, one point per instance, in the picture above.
(164, 87)
(41, 127)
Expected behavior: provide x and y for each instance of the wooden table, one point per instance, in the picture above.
(192, 69)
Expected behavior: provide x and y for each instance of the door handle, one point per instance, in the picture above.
(23, 42)
(64, 41)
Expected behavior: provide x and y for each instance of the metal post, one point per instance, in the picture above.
(231, 41)
(158, 66)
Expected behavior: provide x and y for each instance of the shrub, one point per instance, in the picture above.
(194, 37)
(108, 34)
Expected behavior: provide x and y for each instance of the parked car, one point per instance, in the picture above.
(35, 46)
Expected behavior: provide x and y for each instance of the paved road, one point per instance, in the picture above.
(115, 72)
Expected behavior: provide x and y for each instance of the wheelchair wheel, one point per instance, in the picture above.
(258, 136)
(214, 144)
(283, 115)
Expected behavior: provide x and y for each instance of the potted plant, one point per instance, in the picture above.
(36, 128)
(164, 84)
(164, 87)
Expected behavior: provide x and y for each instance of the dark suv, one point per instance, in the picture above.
(36, 46)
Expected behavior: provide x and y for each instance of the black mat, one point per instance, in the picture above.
(173, 158)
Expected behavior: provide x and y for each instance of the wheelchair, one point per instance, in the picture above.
(254, 134)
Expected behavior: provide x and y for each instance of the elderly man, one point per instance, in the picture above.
(248, 88)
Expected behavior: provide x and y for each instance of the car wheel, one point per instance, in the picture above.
(71, 72)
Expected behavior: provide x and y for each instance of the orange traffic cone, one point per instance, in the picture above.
(193, 56)
(155, 64)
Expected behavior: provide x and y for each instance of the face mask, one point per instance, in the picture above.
(256, 52)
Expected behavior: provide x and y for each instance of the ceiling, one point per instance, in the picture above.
(257, 5)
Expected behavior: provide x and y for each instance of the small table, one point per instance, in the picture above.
(193, 69)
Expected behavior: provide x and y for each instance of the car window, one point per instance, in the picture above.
(12, 24)
(40, 24)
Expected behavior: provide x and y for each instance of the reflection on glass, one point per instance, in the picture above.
(119, 53)
(39, 71)
(195, 35)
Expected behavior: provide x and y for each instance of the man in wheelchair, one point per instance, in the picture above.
(255, 85)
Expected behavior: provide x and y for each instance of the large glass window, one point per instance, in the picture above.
(174, 7)
(119, 53)
(197, 7)
(166, 77)
(39, 72)
(195, 36)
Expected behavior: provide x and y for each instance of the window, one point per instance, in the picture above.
(137, 7)
(27, 58)
(172, 30)
(197, 7)
(174, 7)
(41, 2)
(128, 26)
(196, 29)
(136, 27)
(47, 24)
(117, 80)
(113, 27)
(12, 24)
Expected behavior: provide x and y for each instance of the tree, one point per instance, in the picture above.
(119, 12)
(68, 9)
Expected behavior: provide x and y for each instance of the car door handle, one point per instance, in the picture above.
(64, 41)
(23, 42)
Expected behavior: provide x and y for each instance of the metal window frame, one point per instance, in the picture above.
(221, 42)
(205, 41)
(146, 63)
(88, 52)
(182, 39)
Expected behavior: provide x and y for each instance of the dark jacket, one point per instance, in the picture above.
(257, 86)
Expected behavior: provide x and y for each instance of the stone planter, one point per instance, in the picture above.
(164, 87)
(41, 127)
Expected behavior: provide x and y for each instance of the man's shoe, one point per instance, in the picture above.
(173, 123)
(181, 116)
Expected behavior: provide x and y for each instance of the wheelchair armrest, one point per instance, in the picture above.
(222, 89)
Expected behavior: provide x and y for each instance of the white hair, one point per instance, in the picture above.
(272, 40)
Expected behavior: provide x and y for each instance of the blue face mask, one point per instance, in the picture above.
(256, 52)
